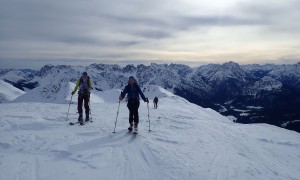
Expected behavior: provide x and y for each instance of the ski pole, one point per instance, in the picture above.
(91, 118)
(148, 116)
(90, 113)
(117, 117)
(69, 107)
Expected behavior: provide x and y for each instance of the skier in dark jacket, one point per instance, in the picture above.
(134, 92)
(84, 84)
(155, 101)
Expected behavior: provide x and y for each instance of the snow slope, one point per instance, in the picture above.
(8, 92)
(152, 90)
(13, 75)
(59, 92)
(109, 95)
(186, 142)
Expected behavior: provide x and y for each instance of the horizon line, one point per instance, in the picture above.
(40, 63)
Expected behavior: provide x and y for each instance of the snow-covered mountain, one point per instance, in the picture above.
(55, 92)
(14, 75)
(206, 78)
(223, 87)
(19, 78)
(187, 142)
(8, 92)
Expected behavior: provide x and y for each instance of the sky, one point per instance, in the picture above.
(37, 32)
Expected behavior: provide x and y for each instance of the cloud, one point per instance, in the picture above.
(132, 29)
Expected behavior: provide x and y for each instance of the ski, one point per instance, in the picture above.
(73, 123)
(132, 130)
(135, 131)
(81, 123)
(85, 122)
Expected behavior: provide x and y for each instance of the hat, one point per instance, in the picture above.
(131, 77)
(84, 73)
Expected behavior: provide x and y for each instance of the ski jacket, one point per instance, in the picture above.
(133, 91)
(84, 87)
(155, 100)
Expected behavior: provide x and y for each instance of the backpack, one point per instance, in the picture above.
(81, 81)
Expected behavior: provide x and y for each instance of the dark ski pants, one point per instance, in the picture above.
(133, 112)
(155, 105)
(83, 98)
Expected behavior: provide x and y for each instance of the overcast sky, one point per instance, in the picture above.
(191, 31)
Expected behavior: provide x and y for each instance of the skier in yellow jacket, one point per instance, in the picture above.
(84, 85)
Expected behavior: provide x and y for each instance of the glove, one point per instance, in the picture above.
(147, 100)
(72, 93)
(120, 98)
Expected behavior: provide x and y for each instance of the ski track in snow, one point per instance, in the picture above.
(186, 142)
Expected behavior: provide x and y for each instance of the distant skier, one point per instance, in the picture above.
(155, 101)
(85, 85)
(133, 90)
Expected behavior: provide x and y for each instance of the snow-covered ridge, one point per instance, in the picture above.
(207, 85)
(206, 78)
(13, 75)
(59, 92)
(187, 142)
(8, 92)
(268, 84)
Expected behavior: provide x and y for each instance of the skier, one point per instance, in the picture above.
(84, 84)
(155, 101)
(133, 90)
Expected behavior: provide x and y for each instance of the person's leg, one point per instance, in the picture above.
(136, 113)
(130, 105)
(79, 107)
(87, 107)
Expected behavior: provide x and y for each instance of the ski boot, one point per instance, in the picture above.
(130, 127)
(80, 119)
(87, 117)
(135, 130)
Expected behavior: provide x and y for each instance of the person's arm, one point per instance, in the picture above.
(76, 87)
(142, 95)
(90, 84)
(124, 92)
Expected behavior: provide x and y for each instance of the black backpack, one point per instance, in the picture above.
(88, 79)
(81, 81)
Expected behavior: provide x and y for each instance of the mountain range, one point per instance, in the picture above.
(244, 93)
